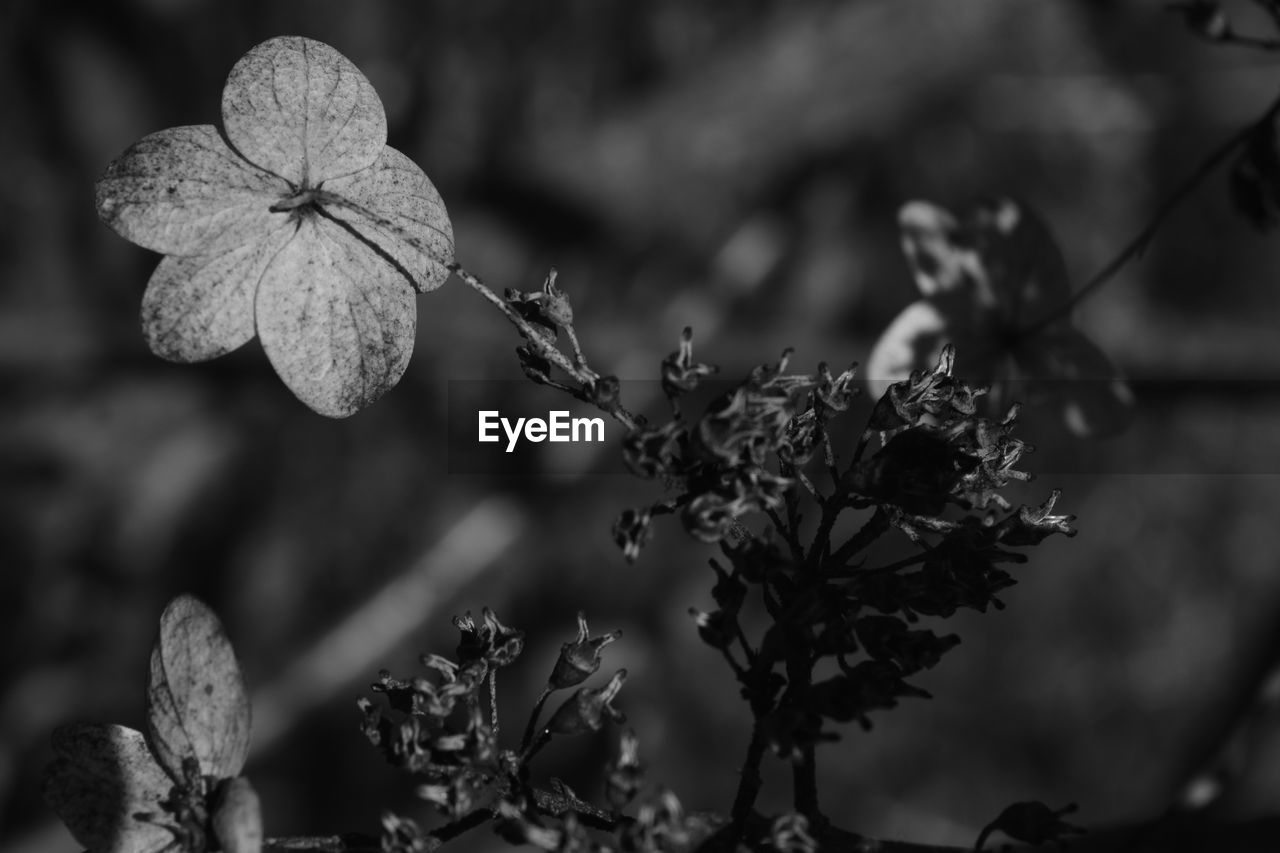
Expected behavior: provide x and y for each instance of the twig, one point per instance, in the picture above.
(531, 727)
(1139, 244)
(544, 348)
(877, 524)
(905, 562)
(493, 701)
(325, 844)
(749, 781)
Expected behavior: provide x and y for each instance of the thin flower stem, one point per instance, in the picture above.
(831, 509)
(542, 346)
(746, 644)
(578, 357)
(493, 701)
(749, 781)
(562, 802)
(466, 823)
(531, 728)
(526, 755)
(788, 534)
(905, 562)
(1139, 244)
(739, 671)
(804, 781)
(323, 844)
(877, 524)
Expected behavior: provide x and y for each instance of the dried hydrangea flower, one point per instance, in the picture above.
(120, 791)
(299, 225)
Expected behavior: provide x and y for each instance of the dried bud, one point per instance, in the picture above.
(711, 517)
(492, 642)
(402, 835)
(717, 628)
(679, 371)
(579, 659)
(631, 531)
(790, 834)
(555, 303)
(586, 709)
(606, 392)
(1031, 526)
(625, 774)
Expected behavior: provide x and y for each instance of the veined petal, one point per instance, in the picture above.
(200, 307)
(336, 318)
(102, 776)
(298, 108)
(1071, 371)
(197, 707)
(182, 191)
(396, 207)
(911, 342)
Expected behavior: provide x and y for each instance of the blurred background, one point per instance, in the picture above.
(734, 166)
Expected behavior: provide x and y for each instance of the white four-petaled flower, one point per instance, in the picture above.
(300, 225)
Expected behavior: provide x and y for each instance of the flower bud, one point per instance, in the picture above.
(585, 710)
(579, 659)
(237, 818)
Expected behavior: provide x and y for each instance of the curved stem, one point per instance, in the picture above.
(1138, 244)
(580, 372)
(531, 728)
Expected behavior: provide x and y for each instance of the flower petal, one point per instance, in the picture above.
(298, 108)
(197, 707)
(395, 206)
(911, 342)
(1077, 377)
(200, 307)
(1023, 265)
(100, 778)
(336, 318)
(182, 191)
(940, 262)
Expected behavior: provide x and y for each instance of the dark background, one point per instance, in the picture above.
(733, 166)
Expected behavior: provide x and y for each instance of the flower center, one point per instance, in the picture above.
(301, 199)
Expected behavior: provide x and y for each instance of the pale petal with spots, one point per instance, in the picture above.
(336, 318)
(298, 108)
(197, 707)
(182, 191)
(101, 778)
(200, 307)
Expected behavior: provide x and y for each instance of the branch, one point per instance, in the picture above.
(577, 368)
(1138, 244)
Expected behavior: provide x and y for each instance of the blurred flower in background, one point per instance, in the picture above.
(995, 286)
